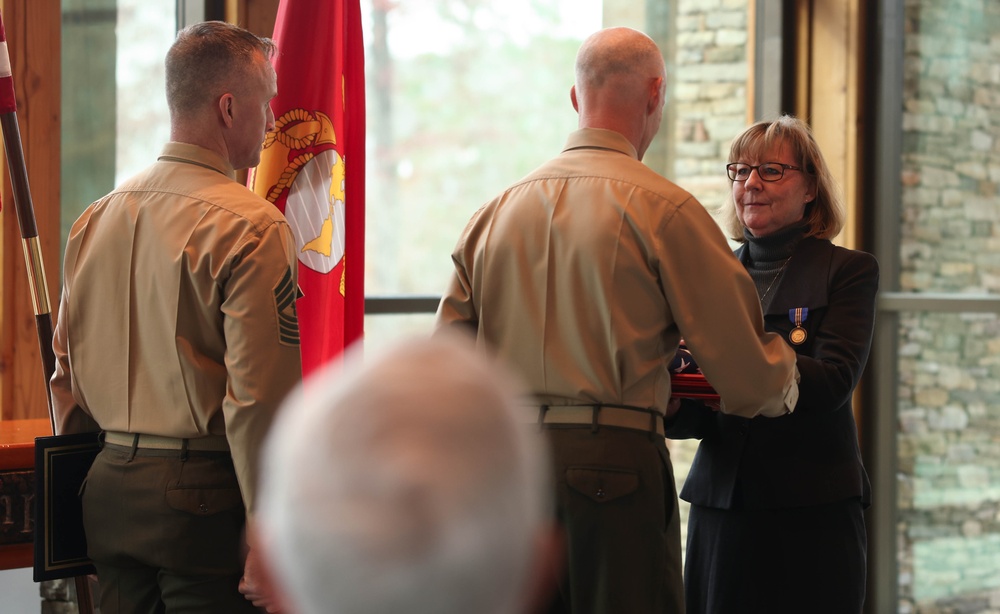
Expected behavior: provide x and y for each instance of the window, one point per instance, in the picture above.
(935, 445)
(113, 103)
(463, 98)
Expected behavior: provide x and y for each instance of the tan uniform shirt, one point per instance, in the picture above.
(177, 315)
(585, 275)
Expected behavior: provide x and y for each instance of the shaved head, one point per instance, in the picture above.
(617, 57)
(621, 85)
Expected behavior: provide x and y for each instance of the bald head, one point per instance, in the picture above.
(620, 84)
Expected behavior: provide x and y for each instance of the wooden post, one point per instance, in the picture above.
(34, 49)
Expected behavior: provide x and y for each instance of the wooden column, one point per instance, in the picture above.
(32, 28)
(828, 93)
(254, 15)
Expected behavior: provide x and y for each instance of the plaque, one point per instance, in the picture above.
(61, 465)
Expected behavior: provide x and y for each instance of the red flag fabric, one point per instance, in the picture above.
(8, 104)
(312, 166)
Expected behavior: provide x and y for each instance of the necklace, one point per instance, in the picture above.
(774, 279)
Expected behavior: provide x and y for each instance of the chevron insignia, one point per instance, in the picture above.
(285, 294)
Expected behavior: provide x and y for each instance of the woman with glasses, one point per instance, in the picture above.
(776, 522)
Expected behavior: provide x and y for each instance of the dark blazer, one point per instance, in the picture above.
(811, 456)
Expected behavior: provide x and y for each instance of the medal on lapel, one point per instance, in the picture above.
(798, 315)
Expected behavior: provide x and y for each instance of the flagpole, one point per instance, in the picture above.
(32, 254)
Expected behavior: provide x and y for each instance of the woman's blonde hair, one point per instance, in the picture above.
(824, 215)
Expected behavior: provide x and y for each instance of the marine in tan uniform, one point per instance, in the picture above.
(583, 277)
(177, 337)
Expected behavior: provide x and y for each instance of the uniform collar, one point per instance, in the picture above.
(597, 138)
(193, 154)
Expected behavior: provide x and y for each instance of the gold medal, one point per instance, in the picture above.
(798, 334)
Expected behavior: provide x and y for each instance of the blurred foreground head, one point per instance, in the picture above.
(408, 482)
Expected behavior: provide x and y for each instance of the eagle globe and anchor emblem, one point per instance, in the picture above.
(311, 185)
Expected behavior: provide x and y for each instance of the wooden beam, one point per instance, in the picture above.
(831, 105)
(254, 15)
(32, 28)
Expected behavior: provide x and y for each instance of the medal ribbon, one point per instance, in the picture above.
(798, 315)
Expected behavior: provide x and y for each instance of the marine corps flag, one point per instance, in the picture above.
(312, 166)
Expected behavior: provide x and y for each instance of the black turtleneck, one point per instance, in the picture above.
(768, 256)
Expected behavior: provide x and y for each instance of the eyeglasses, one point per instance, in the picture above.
(769, 171)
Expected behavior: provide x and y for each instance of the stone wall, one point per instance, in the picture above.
(709, 94)
(949, 389)
(709, 106)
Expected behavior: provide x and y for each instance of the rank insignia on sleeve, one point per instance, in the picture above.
(285, 294)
